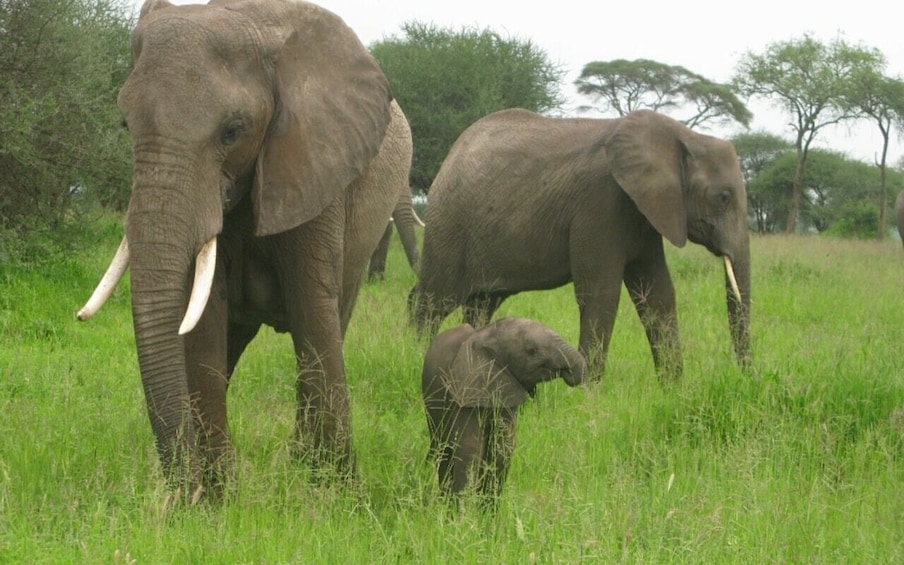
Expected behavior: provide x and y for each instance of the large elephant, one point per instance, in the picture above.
(404, 218)
(265, 138)
(473, 382)
(526, 202)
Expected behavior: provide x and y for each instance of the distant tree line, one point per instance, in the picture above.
(62, 147)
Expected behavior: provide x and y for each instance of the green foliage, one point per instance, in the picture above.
(721, 467)
(810, 80)
(624, 86)
(838, 194)
(61, 64)
(445, 80)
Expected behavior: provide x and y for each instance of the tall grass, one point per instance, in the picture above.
(802, 463)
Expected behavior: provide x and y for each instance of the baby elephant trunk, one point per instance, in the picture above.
(574, 367)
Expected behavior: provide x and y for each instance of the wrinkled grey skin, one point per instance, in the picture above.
(899, 214)
(269, 125)
(403, 218)
(526, 202)
(473, 382)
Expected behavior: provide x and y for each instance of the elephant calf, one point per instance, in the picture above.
(473, 383)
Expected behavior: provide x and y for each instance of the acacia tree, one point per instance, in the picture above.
(622, 86)
(757, 151)
(445, 80)
(881, 99)
(807, 79)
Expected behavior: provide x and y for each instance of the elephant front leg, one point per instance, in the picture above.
(310, 281)
(650, 287)
(598, 304)
(207, 373)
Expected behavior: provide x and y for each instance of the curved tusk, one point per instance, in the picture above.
(418, 219)
(108, 283)
(731, 278)
(205, 266)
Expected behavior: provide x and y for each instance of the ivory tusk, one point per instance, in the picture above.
(205, 266)
(418, 220)
(731, 279)
(108, 283)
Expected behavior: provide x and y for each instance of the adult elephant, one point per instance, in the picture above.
(265, 141)
(526, 202)
(404, 218)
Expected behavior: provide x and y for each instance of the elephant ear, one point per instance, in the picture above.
(332, 111)
(476, 380)
(647, 158)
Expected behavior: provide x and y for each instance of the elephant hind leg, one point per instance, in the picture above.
(479, 308)
(426, 312)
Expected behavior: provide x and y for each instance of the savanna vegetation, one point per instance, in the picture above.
(801, 463)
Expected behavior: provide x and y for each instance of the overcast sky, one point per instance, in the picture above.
(706, 37)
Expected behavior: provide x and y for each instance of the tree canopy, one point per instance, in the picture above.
(623, 86)
(61, 65)
(447, 79)
(808, 79)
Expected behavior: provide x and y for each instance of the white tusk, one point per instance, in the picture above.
(205, 266)
(418, 219)
(108, 283)
(731, 278)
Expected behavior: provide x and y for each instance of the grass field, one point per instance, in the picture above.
(803, 464)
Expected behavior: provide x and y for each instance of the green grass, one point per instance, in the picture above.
(803, 464)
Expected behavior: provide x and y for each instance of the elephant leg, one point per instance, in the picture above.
(499, 456)
(598, 305)
(427, 312)
(207, 374)
(650, 287)
(310, 280)
(377, 266)
(238, 338)
(470, 449)
(479, 308)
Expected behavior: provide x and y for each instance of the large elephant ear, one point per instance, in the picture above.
(476, 380)
(647, 158)
(332, 110)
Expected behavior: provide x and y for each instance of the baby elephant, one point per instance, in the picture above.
(473, 383)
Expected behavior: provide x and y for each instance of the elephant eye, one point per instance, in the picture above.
(724, 197)
(231, 132)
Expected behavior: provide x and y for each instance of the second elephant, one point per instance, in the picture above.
(527, 202)
(473, 382)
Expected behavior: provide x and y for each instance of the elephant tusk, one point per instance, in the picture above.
(205, 266)
(418, 219)
(108, 283)
(731, 279)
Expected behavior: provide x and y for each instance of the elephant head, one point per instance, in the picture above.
(501, 364)
(689, 186)
(261, 113)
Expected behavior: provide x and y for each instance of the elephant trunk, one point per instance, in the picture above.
(574, 369)
(405, 219)
(162, 250)
(739, 310)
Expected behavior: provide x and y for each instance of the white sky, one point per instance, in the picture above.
(707, 37)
